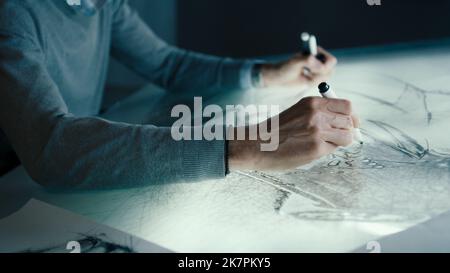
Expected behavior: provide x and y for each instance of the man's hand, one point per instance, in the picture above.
(300, 71)
(309, 130)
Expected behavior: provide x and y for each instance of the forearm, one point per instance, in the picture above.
(62, 150)
(194, 73)
(121, 155)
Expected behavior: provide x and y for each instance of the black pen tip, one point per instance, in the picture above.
(324, 87)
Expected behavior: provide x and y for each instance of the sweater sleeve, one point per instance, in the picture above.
(136, 45)
(63, 151)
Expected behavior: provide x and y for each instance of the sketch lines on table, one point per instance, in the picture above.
(392, 177)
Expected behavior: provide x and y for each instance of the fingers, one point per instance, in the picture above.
(327, 148)
(339, 106)
(356, 121)
(314, 65)
(334, 106)
(339, 121)
(338, 137)
(321, 64)
(330, 60)
(315, 71)
(331, 120)
(323, 113)
(315, 79)
(300, 69)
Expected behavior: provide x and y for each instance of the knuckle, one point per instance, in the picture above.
(312, 121)
(315, 145)
(308, 101)
(314, 131)
(311, 59)
(316, 138)
(347, 122)
(311, 102)
(347, 105)
(333, 60)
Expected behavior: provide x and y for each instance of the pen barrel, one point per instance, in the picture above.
(305, 36)
(313, 45)
(330, 94)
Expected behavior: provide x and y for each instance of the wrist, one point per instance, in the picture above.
(236, 155)
(242, 154)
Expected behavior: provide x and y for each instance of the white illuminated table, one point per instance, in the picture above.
(398, 179)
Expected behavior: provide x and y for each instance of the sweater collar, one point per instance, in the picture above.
(87, 7)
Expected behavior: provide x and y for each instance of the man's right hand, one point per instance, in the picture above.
(309, 130)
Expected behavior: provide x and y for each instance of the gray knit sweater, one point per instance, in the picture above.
(53, 63)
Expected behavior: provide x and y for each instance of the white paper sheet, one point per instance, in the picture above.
(42, 228)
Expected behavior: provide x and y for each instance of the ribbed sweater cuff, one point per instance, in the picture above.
(204, 160)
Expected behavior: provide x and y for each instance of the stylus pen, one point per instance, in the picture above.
(309, 47)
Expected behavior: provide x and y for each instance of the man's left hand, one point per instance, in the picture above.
(300, 71)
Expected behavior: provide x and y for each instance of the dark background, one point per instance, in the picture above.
(252, 28)
(244, 28)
